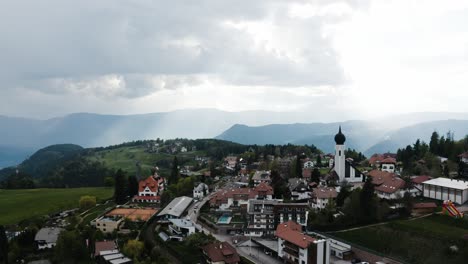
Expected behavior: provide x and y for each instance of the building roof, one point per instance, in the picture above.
(291, 232)
(420, 179)
(448, 183)
(263, 188)
(155, 198)
(262, 176)
(340, 138)
(103, 246)
(177, 206)
(182, 223)
(424, 205)
(48, 234)
(386, 182)
(221, 251)
(389, 160)
(297, 184)
(241, 193)
(324, 192)
(200, 187)
(149, 182)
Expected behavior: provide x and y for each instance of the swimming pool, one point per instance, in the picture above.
(224, 219)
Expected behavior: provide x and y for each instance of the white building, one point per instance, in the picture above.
(343, 168)
(388, 165)
(309, 164)
(175, 208)
(200, 191)
(47, 237)
(321, 196)
(446, 189)
(296, 247)
(181, 228)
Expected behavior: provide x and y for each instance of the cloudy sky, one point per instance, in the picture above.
(361, 58)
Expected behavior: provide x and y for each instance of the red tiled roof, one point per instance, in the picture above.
(306, 173)
(240, 193)
(421, 179)
(385, 181)
(147, 197)
(291, 232)
(221, 251)
(149, 182)
(264, 188)
(380, 158)
(424, 205)
(103, 246)
(389, 160)
(324, 192)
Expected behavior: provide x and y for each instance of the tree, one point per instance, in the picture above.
(132, 186)
(3, 246)
(197, 240)
(315, 176)
(408, 202)
(318, 161)
(344, 193)
(367, 199)
(434, 143)
(446, 169)
(70, 248)
(120, 190)
(109, 182)
(175, 171)
(298, 171)
(279, 185)
(87, 202)
(134, 248)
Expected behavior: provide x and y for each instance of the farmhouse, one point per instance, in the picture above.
(296, 247)
(446, 189)
(47, 237)
(321, 196)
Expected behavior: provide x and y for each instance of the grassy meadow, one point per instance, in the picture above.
(425, 240)
(17, 205)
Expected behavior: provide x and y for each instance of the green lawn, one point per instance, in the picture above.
(17, 205)
(425, 240)
(125, 158)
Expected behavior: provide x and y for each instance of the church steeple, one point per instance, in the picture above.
(340, 138)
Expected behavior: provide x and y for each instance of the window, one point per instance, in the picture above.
(339, 153)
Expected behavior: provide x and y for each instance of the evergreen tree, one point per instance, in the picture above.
(298, 167)
(318, 161)
(120, 187)
(315, 175)
(344, 193)
(434, 143)
(132, 186)
(175, 171)
(367, 199)
(3, 245)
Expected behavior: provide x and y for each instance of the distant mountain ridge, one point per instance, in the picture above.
(20, 137)
(361, 135)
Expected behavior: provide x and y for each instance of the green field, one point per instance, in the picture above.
(125, 158)
(17, 205)
(424, 240)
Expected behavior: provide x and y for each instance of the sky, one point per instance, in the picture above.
(352, 59)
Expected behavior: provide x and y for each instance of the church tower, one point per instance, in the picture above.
(340, 159)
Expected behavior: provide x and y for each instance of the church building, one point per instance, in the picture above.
(342, 167)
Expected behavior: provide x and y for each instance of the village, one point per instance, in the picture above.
(255, 212)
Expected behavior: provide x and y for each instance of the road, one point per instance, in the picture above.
(254, 254)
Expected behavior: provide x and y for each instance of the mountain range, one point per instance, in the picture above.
(20, 137)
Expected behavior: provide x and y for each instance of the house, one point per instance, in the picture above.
(297, 247)
(463, 157)
(388, 164)
(388, 185)
(261, 176)
(175, 209)
(47, 237)
(183, 149)
(308, 164)
(418, 181)
(150, 190)
(261, 218)
(181, 228)
(446, 189)
(200, 191)
(376, 159)
(297, 212)
(109, 224)
(299, 189)
(101, 246)
(230, 162)
(321, 196)
(344, 168)
(220, 253)
(307, 174)
(226, 198)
